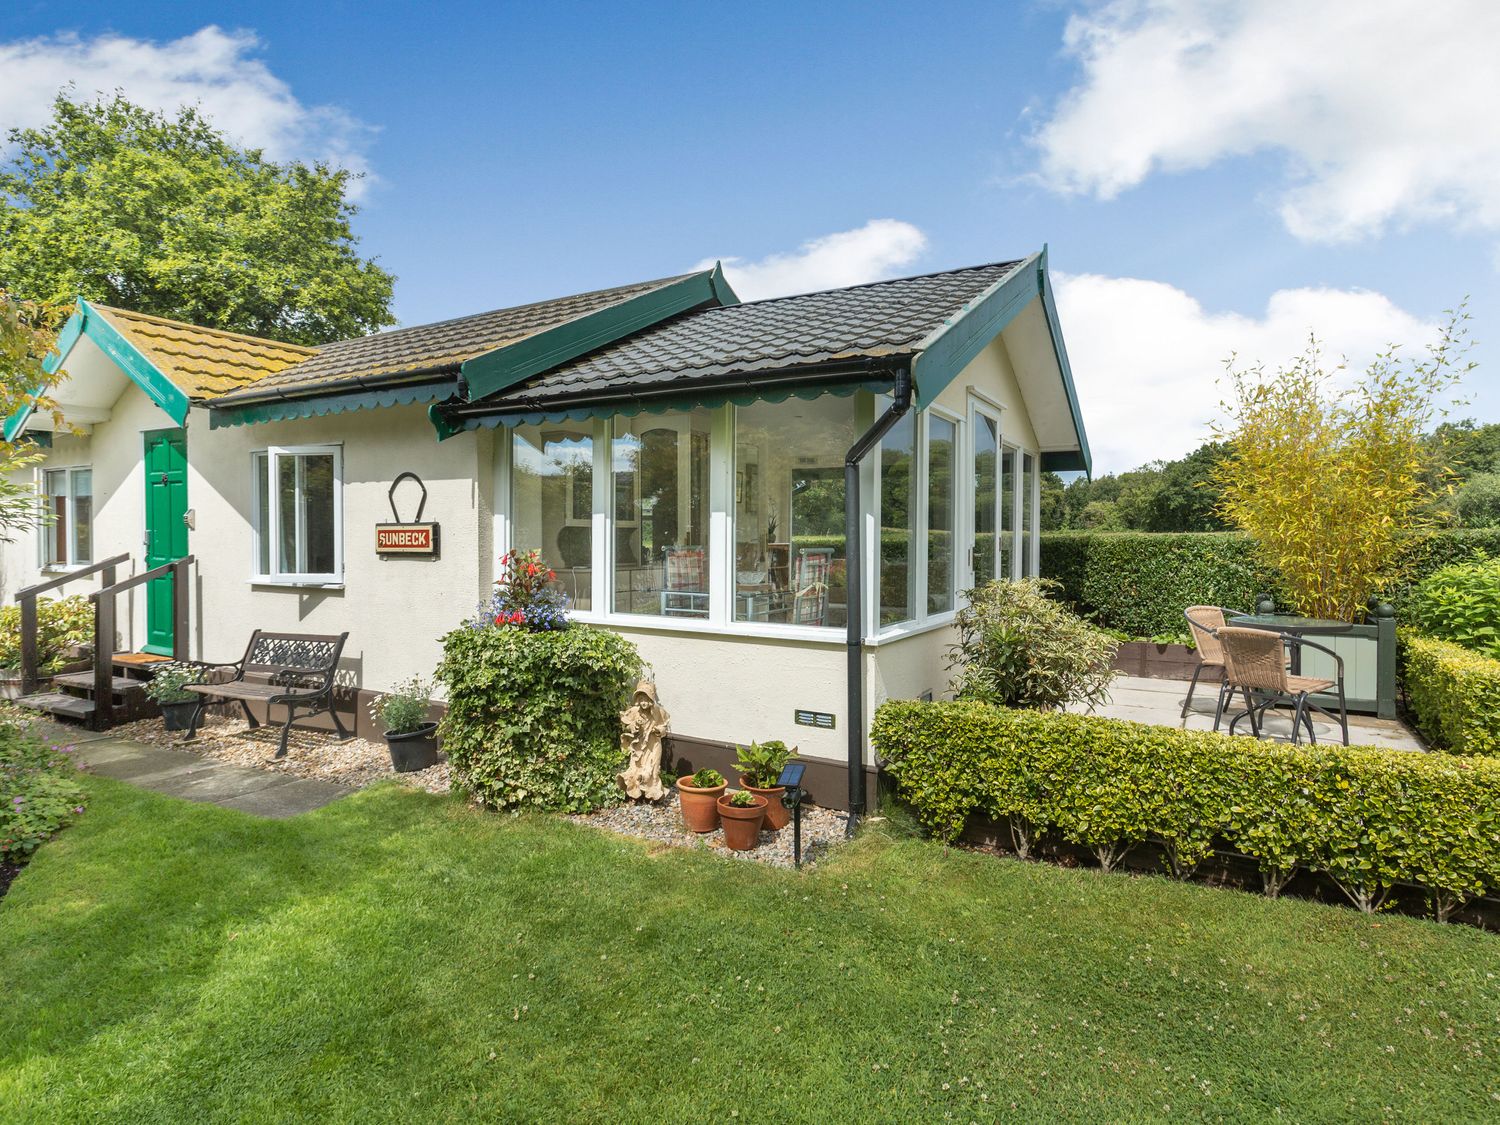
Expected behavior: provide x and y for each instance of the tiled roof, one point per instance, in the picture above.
(881, 318)
(203, 362)
(431, 348)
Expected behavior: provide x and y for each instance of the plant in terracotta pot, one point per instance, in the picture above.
(742, 814)
(168, 690)
(410, 737)
(760, 765)
(697, 794)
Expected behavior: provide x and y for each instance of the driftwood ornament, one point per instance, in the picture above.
(642, 725)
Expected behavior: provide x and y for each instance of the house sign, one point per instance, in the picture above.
(401, 538)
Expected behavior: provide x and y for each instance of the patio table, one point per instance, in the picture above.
(1295, 625)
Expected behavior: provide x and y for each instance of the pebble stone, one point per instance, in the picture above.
(661, 822)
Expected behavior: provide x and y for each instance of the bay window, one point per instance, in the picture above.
(299, 514)
(68, 499)
(552, 502)
(942, 507)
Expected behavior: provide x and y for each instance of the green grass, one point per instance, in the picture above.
(398, 956)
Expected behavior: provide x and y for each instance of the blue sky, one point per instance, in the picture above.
(1210, 177)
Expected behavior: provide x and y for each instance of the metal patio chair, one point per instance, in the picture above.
(1255, 662)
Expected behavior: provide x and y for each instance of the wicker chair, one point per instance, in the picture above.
(1255, 663)
(1204, 622)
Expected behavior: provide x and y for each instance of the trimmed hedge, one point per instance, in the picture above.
(534, 718)
(1455, 694)
(1140, 582)
(1367, 818)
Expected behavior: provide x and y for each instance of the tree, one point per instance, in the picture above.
(161, 214)
(1478, 501)
(27, 331)
(1466, 448)
(1332, 483)
(1186, 497)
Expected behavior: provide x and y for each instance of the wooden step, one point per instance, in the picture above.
(85, 680)
(56, 703)
(142, 660)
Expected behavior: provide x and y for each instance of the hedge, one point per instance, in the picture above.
(1367, 818)
(1140, 582)
(534, 718)
(1455, 694)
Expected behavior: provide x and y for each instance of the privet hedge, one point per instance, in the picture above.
(1140, 582)
(1369, 819)
(1455, 694)
(534, 718)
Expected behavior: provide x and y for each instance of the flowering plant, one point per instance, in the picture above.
(524, 596)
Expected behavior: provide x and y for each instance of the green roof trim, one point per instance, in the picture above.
(1063, 461)
(88, 321)
(709, 400)
(287, 409)
(504, 367)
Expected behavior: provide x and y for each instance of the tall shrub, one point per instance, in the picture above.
(534, 717)
(1459, 603)
(1332, 481)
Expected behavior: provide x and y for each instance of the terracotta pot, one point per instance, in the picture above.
(778, 816)
(699, 811)
(742, 826)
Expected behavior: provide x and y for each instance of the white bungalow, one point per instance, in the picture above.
(695, 468)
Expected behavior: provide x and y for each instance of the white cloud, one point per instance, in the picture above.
(1382, 109)
(212, 68)
(872, 252)
(1147, 357)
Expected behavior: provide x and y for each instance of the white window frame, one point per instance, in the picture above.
(69, 517)
(262, 487)
(979, 406)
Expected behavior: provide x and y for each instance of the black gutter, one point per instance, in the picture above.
(854, 572)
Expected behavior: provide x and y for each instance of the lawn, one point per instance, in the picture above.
(398, 956)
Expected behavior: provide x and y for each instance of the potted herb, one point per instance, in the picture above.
(742, 813)
(410, 737)
(168, 690)
(760, 765)
(697, 793)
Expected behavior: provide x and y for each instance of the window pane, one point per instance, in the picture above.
(898, 513)
(789, 511)
(287, 561)
(1028, 487)
(317, 513)
(552, 502)
(986, 450)
(660, 470)
(1007, 512)
(942, 438)
(261, 488)
(83, 515)
(55, 533)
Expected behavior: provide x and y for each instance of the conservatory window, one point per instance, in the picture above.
(1028, 515)
(789, 511)
(659, 474)
(298, 514)
(898, 515)
(942, 507)
(552, 502)
(68, 497)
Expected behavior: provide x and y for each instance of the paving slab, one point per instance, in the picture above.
(137, 763)
(293, 796)
(64, 734)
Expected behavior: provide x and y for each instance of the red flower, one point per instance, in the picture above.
(499, 619)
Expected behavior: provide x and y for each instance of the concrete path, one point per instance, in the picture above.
(1159, 702)
(177, 773)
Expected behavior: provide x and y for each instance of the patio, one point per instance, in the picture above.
(1159, 702)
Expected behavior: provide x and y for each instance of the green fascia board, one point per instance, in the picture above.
(69, 335)
(1065, 461)
(1084, 457)
(504, 367)
(313, 406)
(948, 350)
(159, 389)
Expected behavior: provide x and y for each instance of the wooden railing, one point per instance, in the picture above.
(30, 673)
(104, 629)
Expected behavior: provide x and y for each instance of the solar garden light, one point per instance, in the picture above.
(791, 779)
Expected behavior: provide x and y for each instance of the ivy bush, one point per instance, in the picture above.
(1454, 693)
(61, 625)
(1459, 603)
(1140, 582)
(39, 792)
(1367, 818)
(534, 717)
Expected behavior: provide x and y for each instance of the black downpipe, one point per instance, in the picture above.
(854, 568)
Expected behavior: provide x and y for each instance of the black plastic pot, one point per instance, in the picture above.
(414, 749)
(177, 716)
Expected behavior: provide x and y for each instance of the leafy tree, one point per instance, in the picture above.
(1466, 448)
(1332, 483)
(1478, 501)
(1186, 497)
(161, 214)
(27, 331)
(1053, 515)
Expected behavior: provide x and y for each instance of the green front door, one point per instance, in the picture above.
(166, 530)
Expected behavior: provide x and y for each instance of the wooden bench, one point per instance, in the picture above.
(298, 671)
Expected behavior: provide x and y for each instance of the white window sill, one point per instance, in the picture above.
(298, 583)
(64, 568)
(702, 627)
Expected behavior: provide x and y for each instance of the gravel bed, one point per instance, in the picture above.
(661, 822)
(355, 763)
